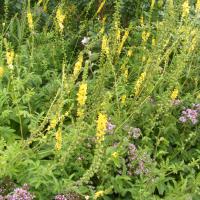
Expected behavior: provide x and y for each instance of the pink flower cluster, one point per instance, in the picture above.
(19, 194)
(190, 114)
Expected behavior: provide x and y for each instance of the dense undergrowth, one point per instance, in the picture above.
(100, 100)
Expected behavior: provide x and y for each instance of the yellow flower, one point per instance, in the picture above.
(1, 71)
(78, 64)
(53, 123)
(198, 6)
(104, 46)
(174, 94)
(58, 136)
(60, 17)
(101, 127)
(124, 38)
(115, 155)
(145, 36)
(80, 112)
(139, 83)
(100, 7)
(98, 194)
(185, 9)
(123, 99)
(10, 57)
(30, 20)
(82, 94)
(130, 52)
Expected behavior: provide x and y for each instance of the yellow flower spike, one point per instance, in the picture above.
(185, 9)
(30, 20)
(174, 94)
(123, 99)
(80, 112)
(101, 7)
(124, 38)
(139, 83)
(1, 72)
(198, 6)
(118, 34)
(101, 127)
(145, 36)
(53, 123)
(82, 94)
(58, 137)
(98, 194)
(10, 58)
(60, 17)
(78, 65)
(104, 46)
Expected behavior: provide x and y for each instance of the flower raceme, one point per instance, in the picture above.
(82, 94)
(10, 58)
(139, 83)
(174, 94)
(101, 127)
(60, 17)
(30, 20)
(78, 65)
(185, 9)
(98, 194)
(124, 38)
(198, 6)
(58, 136)
(104, 46)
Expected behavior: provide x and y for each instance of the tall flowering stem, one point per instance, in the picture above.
(58, 137)
(10, 54)
(139, 83)
(81, 99)
(185, 9)
(60, 17)
(30, 20)
(78, 65)
(104, 46)
(101, 127)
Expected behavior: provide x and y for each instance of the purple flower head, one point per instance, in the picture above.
(20, 194)
(190, 114)
(110, 127)
(132, 152)
(60, 197)
(134, 132)
(182, 119)
(1, 197)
